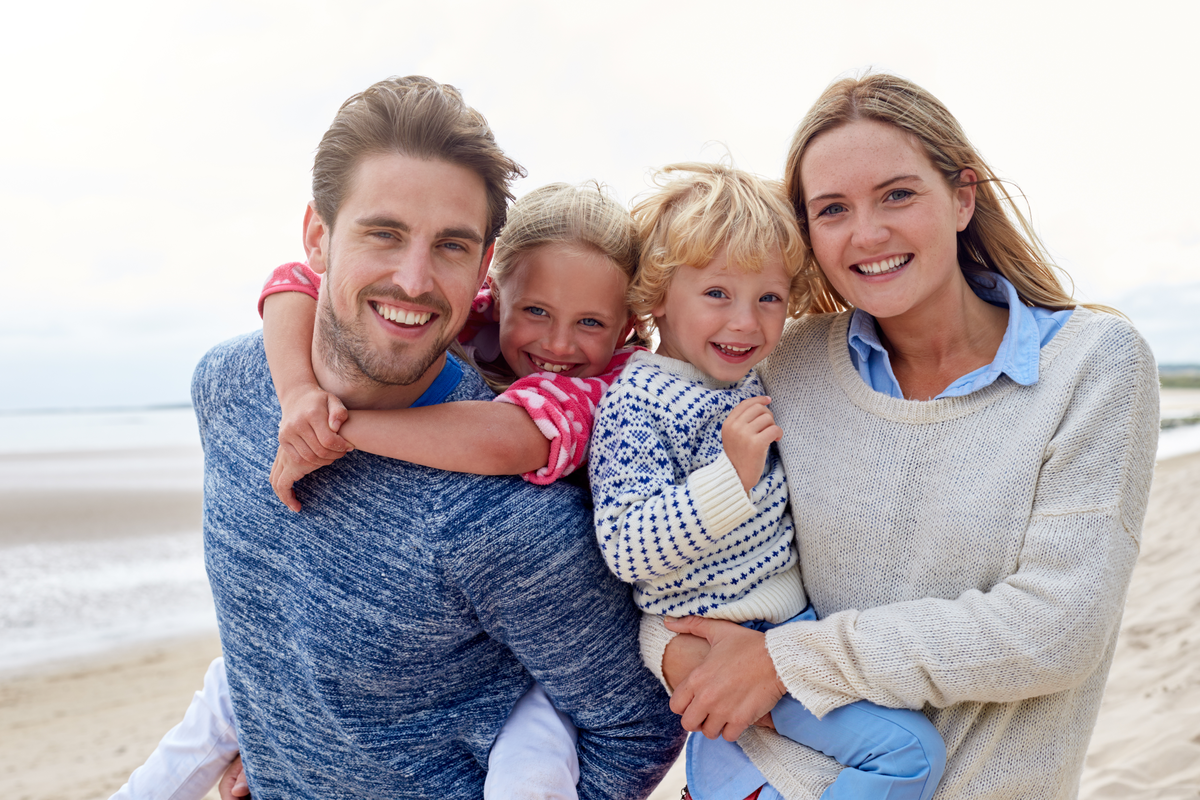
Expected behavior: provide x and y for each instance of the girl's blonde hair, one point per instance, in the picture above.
(560, 213)
(998, 239)
(700, 208)
(583, 216)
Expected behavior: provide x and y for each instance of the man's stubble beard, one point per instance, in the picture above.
(350, 354)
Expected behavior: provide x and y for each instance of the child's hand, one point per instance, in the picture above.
(286, 470)
(309, 426)
(233, 783)
(747, 435)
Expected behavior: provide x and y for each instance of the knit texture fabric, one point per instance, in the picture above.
(969, 556)
(376, 642)
(672, 516)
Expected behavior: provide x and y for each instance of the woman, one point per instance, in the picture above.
(969, 454)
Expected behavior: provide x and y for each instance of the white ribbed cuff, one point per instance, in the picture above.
(654, 638)
(723, 503)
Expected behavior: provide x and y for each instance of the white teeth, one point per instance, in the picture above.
(887, 265)
(402, 317)
(555, 368)
(734, 351)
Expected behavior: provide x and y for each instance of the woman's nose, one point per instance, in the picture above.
(869, 230)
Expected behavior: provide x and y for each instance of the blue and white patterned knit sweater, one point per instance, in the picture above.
(672, 517)
(376, 642)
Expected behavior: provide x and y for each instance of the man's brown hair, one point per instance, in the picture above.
(418, 117)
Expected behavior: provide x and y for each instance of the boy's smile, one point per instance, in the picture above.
(722, 319)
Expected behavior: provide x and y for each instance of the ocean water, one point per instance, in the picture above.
(78, 592)
(73, 596)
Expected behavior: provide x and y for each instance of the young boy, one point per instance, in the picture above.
(690, 496)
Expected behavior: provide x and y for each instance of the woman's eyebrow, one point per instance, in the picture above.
(890, 181)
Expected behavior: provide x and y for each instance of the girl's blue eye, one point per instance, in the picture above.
(770, 298)
(537, 312)
(591, 323)
(717, 293)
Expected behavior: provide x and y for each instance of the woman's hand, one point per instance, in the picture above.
(735, 686)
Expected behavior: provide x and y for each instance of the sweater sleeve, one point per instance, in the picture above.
(649, 521)
(1043, 628)
(543, 591)
(564, 410)
(290, 277)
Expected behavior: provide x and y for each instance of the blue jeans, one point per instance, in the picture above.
(890, 753)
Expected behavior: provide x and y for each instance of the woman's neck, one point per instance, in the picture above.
(945, 338)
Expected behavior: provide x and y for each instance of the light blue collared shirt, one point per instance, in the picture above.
(1027, 332)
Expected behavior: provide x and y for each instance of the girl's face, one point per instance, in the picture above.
(883, 220)
(721, 318)
(562, 310)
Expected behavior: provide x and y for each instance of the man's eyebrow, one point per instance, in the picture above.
(876, 188)
(470, 234)
(382, 222)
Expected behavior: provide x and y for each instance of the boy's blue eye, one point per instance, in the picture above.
(537, 312)
(715, 293)
(770, 298)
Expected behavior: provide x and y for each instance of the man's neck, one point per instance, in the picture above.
(357, 391)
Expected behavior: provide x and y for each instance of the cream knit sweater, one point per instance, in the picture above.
(968, 556)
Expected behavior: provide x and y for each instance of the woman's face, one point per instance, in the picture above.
(883, 220)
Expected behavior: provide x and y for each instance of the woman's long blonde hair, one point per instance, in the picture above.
(998, 238)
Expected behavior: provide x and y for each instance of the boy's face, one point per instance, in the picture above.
(721, 318)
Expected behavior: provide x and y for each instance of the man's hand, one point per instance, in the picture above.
(308, 438)
(233, 783)
(747, 435)
(736, 685)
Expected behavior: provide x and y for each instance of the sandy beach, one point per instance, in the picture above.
(74, 729)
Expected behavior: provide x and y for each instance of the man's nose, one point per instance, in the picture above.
(413, 272)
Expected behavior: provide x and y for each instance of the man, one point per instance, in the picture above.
(376, 642)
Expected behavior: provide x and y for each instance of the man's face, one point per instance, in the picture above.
(402, 264)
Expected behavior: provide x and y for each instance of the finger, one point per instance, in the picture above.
(732, 731)
(694, 719)
(712, 727)
(685, 625)
(681, 699)
(337, 413)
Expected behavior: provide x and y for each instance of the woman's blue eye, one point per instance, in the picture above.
(591, 323)
(831, 209)
(537, 312)
(899, 194)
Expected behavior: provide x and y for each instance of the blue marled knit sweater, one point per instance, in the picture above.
(376, 642)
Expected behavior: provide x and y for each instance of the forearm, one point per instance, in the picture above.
(288, 322)
(477, 437)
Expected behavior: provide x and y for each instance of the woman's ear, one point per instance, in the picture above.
(965, 195)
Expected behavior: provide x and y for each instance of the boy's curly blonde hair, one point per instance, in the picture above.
(700, 208)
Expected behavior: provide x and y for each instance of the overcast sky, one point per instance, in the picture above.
(156, 156)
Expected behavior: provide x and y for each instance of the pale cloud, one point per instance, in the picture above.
(158, 155)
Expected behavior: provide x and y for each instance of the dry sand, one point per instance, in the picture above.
(75, 731)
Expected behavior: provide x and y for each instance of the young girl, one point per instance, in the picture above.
(690, 497)
(547, 326)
